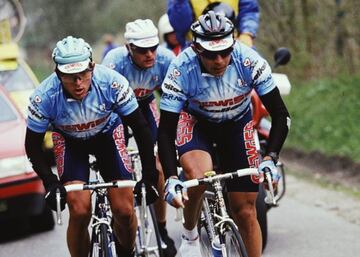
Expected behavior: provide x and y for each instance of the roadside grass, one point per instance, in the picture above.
(325, 116)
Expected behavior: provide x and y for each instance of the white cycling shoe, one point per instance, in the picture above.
(189, 248)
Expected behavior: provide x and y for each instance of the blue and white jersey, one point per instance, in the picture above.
(142, 81)
(109, 96)
(187, 86)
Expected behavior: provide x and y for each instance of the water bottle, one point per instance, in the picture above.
(216, 247)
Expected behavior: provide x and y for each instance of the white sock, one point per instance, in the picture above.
(191, 235)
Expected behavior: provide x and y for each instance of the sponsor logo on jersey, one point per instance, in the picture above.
(119, 139)
(260, 71)
(185, 129)
(172, 87)
(174, 74)
(247, 62)
(35, 114)
(37, 99)
(59, 151)
(115, 85)
(83, 126)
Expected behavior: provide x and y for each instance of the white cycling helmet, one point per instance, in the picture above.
(141, 33)
(72, 55)
(164, 25)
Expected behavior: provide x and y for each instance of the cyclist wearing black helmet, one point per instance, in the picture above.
(243, 13)
(206, 100)
(84, 103)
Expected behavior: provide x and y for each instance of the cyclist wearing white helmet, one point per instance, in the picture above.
(206, 100)
(168, 35)
(144, 63)
(84, 103)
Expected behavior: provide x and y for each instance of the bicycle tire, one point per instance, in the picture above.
(261, 212)
(105, 242)
(233, 242)
(204, 236)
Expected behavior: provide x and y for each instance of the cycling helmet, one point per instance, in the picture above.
(72, 55)
(141, 33)
(214, 32)
(164, 25)
(222, 8)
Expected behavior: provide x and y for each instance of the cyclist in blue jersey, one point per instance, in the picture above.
(206, 100)
(243, 13)
(144, 63)
(168, 35)
(84, 102)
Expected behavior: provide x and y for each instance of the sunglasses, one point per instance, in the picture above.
(143, 50)
(211, 55)
(84, 75)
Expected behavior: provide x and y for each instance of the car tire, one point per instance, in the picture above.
(261, 210)
(42, 222)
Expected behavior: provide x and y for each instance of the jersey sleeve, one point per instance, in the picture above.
(173, 97)
(263, 81)
(122, 96)
(39, 111)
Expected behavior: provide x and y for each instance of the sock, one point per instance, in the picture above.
(191, 235)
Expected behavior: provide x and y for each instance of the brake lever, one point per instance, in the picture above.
(58, 208)
(270, 195)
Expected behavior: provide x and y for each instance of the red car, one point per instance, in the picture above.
(22, 204)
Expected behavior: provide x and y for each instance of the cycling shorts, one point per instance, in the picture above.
(109, 149)
(231, 145)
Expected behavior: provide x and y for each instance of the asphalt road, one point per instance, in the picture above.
(310, 221)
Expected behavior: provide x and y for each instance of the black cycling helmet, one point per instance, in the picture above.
(210, 28)
(222, 8)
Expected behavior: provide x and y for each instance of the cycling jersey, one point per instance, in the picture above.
(217, 99)
(182, 14)
(142, 81)
(108, 97)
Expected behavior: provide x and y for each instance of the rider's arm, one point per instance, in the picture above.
(142, 135)
(248, 17)
(280, 120)
(181, 17)
(33, 147)
(166, 142)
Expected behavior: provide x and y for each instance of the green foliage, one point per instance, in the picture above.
(325, 116)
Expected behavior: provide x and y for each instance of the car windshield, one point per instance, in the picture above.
(15, 80)
(6, 111)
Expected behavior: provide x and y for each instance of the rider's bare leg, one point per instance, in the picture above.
(243, 208)
(125, 221)
(194, 163)
(78, 239)
(160, 204)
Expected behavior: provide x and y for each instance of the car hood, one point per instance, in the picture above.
(12, 138)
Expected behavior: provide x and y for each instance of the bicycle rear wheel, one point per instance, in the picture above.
(233, 242)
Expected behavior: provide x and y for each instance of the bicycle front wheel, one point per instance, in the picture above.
(233, 242)
(105, 243)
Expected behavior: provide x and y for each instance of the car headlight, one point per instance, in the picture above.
(14, 166)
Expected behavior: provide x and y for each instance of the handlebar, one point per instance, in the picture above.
(270, 195)
(82, 187)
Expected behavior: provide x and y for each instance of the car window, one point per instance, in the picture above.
(6, 111)
(15, 80)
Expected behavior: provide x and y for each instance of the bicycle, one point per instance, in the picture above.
(102, 236)
(147, 223)
(217, 230)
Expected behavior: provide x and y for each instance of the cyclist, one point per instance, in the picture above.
(168, 35)
(144, 63)
(206, 100)
(84, 102)
(243, 13)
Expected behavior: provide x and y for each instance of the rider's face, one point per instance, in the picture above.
(215, 63)
(143, 57)
(77, 84)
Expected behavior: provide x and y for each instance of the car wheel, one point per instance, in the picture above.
(43, 222)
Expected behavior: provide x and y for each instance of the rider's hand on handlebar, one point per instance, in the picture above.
(172, 185)
(50, 195)
(270, 165)
(151, 193)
